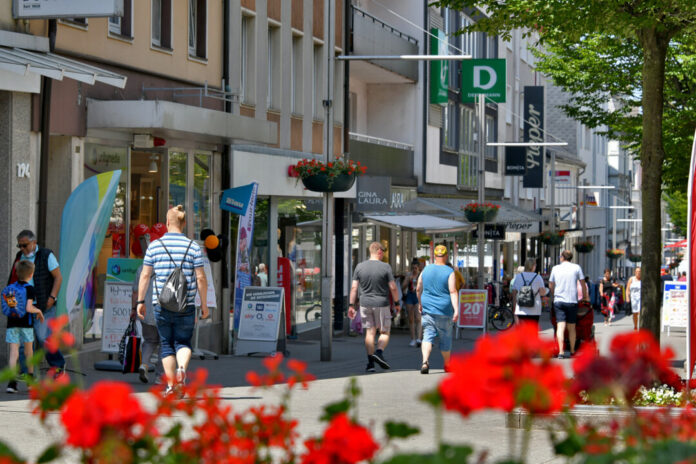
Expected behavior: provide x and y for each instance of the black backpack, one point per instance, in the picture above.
(526, 295)
(173, 296)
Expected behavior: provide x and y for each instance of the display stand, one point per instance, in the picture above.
(472, 310)
(211, 302)
(260, 322)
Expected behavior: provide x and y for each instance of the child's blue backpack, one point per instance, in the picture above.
(14, 300)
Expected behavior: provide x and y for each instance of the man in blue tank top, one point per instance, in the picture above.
(439, 305)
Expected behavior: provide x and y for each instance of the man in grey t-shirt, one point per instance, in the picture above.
(375, 280)
(563, 284)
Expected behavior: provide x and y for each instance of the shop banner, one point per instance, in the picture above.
(243, 271)
(491, 232)
(515, 158)
(374, 194)
(484, 77)
(534, 132)
(472, 309)
(261, 312)
(690, 236)
(122, 269)
(84, 223)
(439, 69)
(236, 200)
(674, 305)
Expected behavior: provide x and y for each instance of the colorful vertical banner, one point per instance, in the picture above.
(243, 271)
(439, 69)
(84, 224)
(691, 236)
(534, 132)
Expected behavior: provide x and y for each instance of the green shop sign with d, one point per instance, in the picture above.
(485, 77)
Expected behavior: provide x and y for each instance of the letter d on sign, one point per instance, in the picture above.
(492, 77)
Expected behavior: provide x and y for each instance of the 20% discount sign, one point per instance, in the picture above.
(472, 308)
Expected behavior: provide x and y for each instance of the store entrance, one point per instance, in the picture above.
(147, 199)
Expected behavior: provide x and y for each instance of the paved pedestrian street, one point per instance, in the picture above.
(386, 395)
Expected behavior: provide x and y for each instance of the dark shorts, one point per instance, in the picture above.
(175, 330)
(411, 298)
(566, 312)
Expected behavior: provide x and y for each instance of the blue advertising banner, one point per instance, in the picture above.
(236, 200)
(84, 224)
(243, 271)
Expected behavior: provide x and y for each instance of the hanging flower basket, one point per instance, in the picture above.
(614, 253)
(584, 247)
(634, 258)
(552, 238)
(336, 176)
(480, 212)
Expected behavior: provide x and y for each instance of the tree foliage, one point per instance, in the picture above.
(677, 203)
(639, 53)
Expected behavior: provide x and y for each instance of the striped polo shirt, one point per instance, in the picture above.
(162, 265)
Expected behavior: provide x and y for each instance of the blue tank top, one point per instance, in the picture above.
(436, 297)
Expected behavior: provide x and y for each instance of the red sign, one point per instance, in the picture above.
(472, 308)
(285, 281)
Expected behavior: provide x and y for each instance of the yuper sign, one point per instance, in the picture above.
(484, 77)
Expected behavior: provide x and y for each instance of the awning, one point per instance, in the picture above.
(514, 218)
(23, 62)
(420, 222)
(679, 244)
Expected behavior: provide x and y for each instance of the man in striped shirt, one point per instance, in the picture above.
(175, 329)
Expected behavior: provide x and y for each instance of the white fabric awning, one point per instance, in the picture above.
(22, 62)
(422, 222)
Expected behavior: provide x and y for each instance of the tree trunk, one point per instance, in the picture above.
(651, 158)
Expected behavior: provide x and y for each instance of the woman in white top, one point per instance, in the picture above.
(528, 277)
(633, 296)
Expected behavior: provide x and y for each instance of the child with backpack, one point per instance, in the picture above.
(17, 304)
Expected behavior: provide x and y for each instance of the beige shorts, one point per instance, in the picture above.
(379, 318)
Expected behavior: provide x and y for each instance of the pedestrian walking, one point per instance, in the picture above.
(608, 291)
(532, 285)
(410, 283)
(163, 257)
(374, 281)
(263, 275)
(46, 282)
(439, 306)
(18, 306)
(633, 296)
(563, 284)
(151, 338)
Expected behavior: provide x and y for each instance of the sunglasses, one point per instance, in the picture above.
(23, 245)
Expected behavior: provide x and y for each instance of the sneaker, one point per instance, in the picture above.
(413, 343)
(561, 356)
(378, 357)
(418, 342)
(169, 390)
(370, 367)
(12, 387)
(142, 373)
(181, 375)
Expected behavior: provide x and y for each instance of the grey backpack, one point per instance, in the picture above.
(173, 296)
(526, 295)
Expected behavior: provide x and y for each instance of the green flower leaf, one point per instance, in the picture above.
(400, 429)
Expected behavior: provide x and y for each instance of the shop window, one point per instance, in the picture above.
(197, 26)
(177, 178)
(273, 95)
(247, 62)
(162, 23)
(146, 194)
(317, 83)
(296, 75)
(201, 192)
(123, 26)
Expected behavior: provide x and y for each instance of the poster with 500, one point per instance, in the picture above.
(472, 306)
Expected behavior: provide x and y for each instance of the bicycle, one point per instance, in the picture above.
(500, 317)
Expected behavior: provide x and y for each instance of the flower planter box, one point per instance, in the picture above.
(584, 247)
(612, 255)
(481, 215)
(324, 183)
(635, 258)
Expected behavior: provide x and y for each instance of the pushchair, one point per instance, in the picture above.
(584, 328)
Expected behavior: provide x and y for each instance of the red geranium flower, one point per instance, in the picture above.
(344, 442)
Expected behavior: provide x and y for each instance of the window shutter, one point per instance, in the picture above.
(166, 39)
(201, 33)
(126, 26)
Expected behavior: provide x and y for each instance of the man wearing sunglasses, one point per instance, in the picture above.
(46, 282)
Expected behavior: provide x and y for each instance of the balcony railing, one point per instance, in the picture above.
(380, 141)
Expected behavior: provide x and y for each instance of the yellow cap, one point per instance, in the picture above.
(440, 250)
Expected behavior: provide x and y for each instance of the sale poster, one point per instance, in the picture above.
(472, 308)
